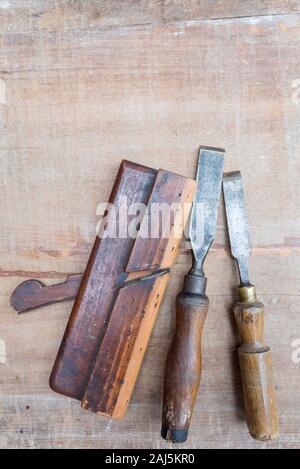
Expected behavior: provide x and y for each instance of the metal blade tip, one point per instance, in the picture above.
(214, 149)
(237, 222)
(206, 204)
(232, 175)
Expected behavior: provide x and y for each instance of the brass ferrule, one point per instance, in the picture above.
(247, 294)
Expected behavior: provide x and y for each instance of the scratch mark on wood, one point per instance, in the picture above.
(156, 24)
(275, 250)
(36, 275)
(2, 352)
(2, 92)
(64, 252)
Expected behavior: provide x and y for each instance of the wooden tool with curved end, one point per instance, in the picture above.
(33, 294)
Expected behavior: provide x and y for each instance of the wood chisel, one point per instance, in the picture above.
(254, 355)
(184, 363)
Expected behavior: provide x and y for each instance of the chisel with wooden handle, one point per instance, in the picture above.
(254, 355)
(184, 363)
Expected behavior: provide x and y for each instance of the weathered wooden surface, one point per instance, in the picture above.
(54, 15)
(76, 96)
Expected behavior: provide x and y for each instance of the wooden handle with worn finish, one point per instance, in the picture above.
(256, 368)
(184, 366)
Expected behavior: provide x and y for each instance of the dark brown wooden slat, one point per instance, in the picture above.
(91, 310)
(116, 348)
(151, 256)
(110, 326)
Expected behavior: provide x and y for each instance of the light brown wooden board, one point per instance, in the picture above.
(76, 101)
(52, 15)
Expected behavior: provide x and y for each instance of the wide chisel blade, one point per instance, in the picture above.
(237, 220)
(205, 209)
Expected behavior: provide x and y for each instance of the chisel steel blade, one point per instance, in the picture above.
(205, 209)
(145, 278)
(237, 221)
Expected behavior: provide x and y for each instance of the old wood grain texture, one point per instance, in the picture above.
(53, 15)
(76, 96)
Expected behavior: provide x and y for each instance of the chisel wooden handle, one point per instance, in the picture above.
(184, 363)
(256, 368)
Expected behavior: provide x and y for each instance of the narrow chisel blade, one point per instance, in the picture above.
(205, 209)
(237, 221)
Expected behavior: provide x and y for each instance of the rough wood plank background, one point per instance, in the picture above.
(64, 15)
(83, 84)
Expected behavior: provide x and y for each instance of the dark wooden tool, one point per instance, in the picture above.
(119, 297)
(184, 363)
(33, 294)
(254, 356)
